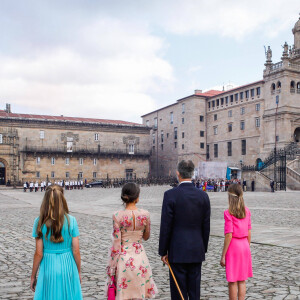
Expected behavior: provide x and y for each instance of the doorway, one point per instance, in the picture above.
(2, 174)
(297, 135)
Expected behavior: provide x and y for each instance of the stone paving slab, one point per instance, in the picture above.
(276, 269)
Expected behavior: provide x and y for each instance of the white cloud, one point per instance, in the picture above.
(230, 18)
(108, 74)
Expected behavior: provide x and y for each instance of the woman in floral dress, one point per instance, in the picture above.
(128, 260)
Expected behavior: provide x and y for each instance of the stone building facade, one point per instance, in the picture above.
(52, 148)
(239, 127)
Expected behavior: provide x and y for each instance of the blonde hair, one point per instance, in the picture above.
(236, 201)
(53, 211)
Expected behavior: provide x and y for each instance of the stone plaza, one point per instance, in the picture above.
(275, 248)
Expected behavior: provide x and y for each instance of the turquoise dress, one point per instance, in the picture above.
(58, 277)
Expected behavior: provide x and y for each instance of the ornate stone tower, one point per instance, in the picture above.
(282, 95)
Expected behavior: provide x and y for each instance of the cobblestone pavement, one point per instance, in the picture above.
(276, 268)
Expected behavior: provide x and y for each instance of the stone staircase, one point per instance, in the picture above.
(293, 174)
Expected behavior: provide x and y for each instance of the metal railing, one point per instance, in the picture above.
(75, 151)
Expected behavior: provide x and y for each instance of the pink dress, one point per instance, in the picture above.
(238, 257)
(128, 260)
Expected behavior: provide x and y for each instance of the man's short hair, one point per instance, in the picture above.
(186, 169)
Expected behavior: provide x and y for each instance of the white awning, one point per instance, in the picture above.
(233, 168)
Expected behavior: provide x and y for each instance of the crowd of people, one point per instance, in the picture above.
(42, 185)
(217, 185)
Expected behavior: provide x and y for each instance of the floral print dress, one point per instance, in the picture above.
(128, 260)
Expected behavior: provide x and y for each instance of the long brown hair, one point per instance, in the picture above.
(53, 210)
(236, 201)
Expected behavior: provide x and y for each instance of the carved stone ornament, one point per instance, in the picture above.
(131, 140)
(69, 136)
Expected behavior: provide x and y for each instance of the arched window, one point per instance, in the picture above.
(278, 84)
(273, 86)
(292, 86)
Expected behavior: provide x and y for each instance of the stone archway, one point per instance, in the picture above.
(297, 135)
(2, 172)
(259, 163)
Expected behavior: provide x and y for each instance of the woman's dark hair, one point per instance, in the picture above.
(130, 192)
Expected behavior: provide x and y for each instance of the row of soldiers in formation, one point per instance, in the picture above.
(68, 185)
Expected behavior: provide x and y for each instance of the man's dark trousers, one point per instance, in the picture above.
(189, 278)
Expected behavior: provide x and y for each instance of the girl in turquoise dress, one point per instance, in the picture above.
(57, 250)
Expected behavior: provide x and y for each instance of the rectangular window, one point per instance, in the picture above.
(182, 120)
(38, 175)
(226, 100)
(222, 101)
(95, 161)
(1, 140)
(230, 113)
(257, 122)
(81, 161)
(215, 130)
(131, 148)
(215, 117)
(67, 174)
(153, 138)
(202, 133)
(257, 107)
(208, 104)
(215, 150)
(171, 117)
(207, 151)
(96, 136)
(183, 108)
(67, 161)
(162, 136)
(175, 133)
(183, 135)
(94, 175)
(162, 146)
(167, 134)
(236, 97)
(247, 94)
(213, 103)
(277, 138)
(42, 134)
(175, 145)
(231, 98)
(80, 175)
(52, 161)
(242, 125)
(202, 145)
(258, 91)
(155, 122)
(147, 123)
(38, 160)
(242, 110)
(252, 92)
(243, 147)
(229, 127)
(218, 102)
(52, 174)
(201, 118)
(241, 95)
(229, 148)
(182, 146)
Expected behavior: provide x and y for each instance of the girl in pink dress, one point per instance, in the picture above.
(236, 256)
(128, 260)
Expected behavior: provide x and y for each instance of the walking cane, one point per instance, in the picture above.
(178, 288)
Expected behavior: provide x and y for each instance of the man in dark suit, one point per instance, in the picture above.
(184, 233)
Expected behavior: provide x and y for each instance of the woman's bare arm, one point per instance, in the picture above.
(38, 256)
(249, 236)
(76, 254)
(227, 241)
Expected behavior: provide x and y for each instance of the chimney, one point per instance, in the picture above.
(8, 108)
(198, 91)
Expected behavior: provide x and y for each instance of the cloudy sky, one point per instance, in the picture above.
(120, 59)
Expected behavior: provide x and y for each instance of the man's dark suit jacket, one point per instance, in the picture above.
(185, 224)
